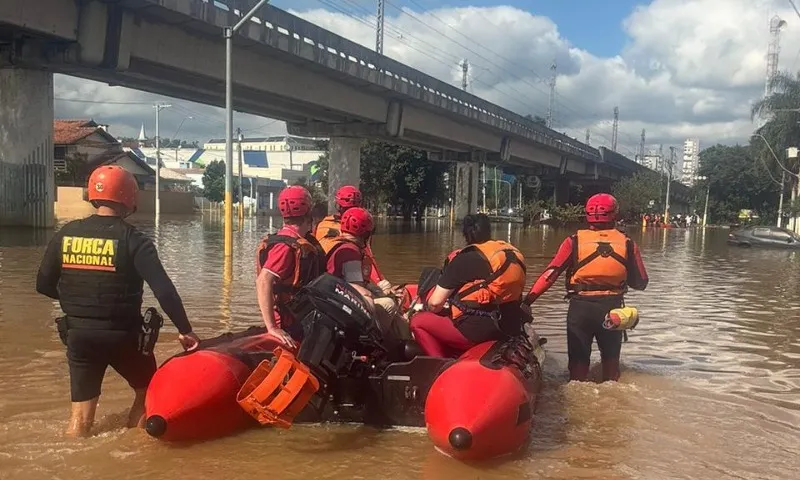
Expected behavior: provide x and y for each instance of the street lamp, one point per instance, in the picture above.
(228, 33)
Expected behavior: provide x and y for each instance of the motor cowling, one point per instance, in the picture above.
(340, 336)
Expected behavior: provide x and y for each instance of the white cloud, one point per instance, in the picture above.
(691, 68)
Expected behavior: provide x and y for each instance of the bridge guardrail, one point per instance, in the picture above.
(430, 89)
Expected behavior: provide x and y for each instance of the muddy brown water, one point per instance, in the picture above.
(710, 385)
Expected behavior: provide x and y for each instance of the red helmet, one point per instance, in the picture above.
(294, 201)
(601, 208)
(348, 196)
(113, 184)
(357, 221)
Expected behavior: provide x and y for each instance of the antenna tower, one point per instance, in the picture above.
(552, 105)
(615, 129)
(773, 51)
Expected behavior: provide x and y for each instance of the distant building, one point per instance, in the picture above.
(286, 152)
(81, 140)
(691, 161)
(653, 160)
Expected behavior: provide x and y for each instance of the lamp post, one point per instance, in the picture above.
(228, 33)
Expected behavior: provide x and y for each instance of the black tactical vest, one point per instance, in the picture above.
(98, 279)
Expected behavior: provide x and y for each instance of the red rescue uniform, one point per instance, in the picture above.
(600, 266)
(294, 261)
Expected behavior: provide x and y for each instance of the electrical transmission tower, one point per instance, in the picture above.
(588, 136)
(464, 74)
(615, 129)
(773, 51)
(552, 105)
(641, 148)
(379, 28)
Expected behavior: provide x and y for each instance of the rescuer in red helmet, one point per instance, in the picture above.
(95, 268)
(600, 263)
(329, 228)
(348, 258)
(286, 262)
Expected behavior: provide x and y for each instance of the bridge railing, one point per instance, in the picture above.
(404, 79)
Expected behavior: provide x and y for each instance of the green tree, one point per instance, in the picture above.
(214, 182)
(635, 192)
(737, 181)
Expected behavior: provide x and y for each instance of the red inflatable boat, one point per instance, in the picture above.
(475, 407)
(482, 405)
(193, 395)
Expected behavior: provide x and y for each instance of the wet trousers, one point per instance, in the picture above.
(585, 324)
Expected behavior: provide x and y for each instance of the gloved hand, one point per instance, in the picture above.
(385, 286)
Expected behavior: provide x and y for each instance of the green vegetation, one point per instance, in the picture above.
(214, 182)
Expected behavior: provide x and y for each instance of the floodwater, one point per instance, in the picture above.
(710, 385)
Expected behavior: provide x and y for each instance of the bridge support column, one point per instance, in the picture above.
(344, 167)
(466, 195)
(561, 192)
(27, 184)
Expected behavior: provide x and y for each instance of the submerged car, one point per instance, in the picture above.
(764, 237)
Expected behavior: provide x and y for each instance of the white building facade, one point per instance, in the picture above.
(691, 161)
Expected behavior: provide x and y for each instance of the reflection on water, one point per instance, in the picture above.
(710, 388)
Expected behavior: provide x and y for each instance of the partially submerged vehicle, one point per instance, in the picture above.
(478, 406)
(763, 236)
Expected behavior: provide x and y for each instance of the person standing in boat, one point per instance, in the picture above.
(330, 227)
(286, 262)
(601, 263)
(483, 284)
(95, 268)
(348, 258)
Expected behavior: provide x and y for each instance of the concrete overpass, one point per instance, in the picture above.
(286, 68)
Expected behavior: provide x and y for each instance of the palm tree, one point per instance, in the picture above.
(781, 110)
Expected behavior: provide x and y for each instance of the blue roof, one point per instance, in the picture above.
(138, 152)
(197, 154)
(256, 158)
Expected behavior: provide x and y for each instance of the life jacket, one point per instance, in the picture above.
(309, 261)
(367, 263)
(599, 263)
(327, 230)
(504, 285)
(98, 279)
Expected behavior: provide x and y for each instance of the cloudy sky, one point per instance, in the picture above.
(677, 68)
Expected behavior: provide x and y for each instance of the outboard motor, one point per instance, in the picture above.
(341, 340)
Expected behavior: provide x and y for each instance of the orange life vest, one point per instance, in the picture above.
(308, 262)
(504, 285)
(599, 263)
(338, 242)
(328, 229)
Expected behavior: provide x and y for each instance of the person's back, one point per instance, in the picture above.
(601, 263)
(483, 284)
(96, 268)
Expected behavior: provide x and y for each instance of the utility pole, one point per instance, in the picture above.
(379, 28)
(641, 148)
(158, 107)
(588, 136)
(669, 181)
(228, 33)
(614, 131)
(241, 174)
(552, 104)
